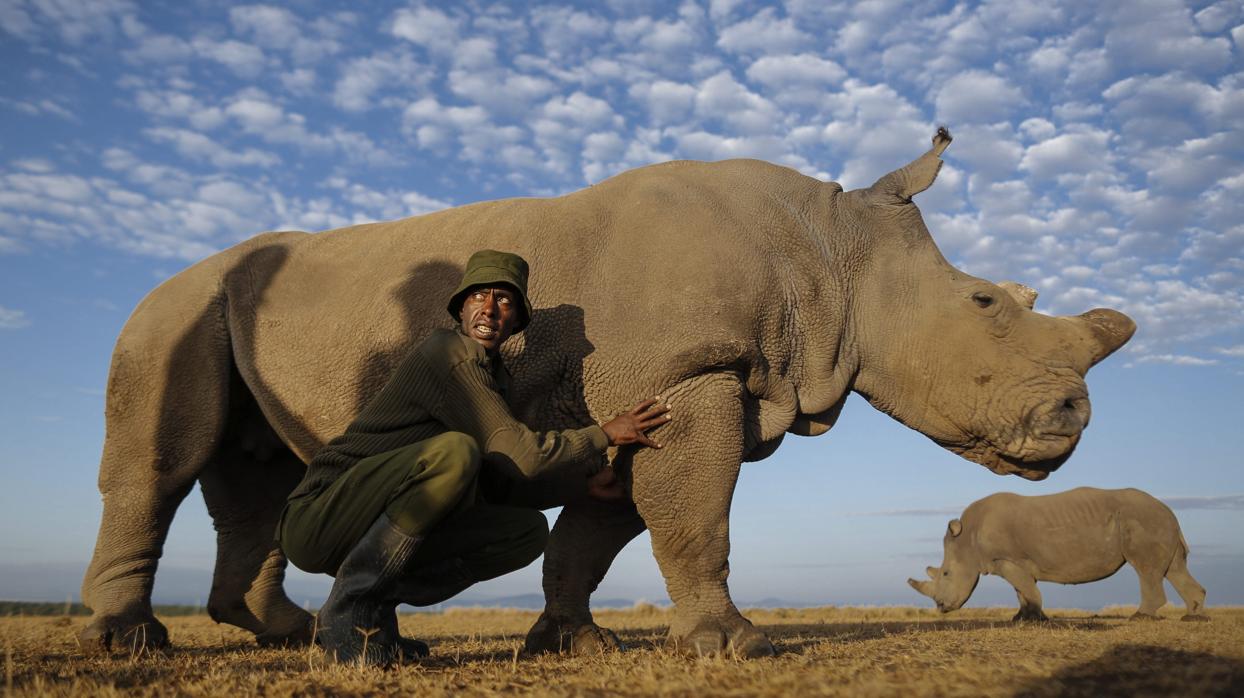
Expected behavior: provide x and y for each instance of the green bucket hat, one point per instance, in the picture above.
(491, 267)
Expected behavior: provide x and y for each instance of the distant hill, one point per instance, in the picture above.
(52, 608)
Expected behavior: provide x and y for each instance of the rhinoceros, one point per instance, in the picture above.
(1071, 537)
(755, 298)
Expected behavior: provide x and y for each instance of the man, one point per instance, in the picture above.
(392, 505)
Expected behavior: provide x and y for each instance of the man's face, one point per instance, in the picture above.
(489, 315)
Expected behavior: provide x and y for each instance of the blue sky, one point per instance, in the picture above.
(1097, 158)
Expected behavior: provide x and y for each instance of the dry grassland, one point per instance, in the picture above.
(824, 651)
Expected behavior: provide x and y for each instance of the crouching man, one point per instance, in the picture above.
(392, 507)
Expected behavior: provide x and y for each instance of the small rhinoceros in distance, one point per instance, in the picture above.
(1071, 537)
(754, 298)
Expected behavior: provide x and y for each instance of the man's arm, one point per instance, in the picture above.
(473, 405)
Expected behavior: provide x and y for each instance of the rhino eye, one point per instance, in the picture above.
(982, 300)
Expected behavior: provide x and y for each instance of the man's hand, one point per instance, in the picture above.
(629, 427)
(605, 486)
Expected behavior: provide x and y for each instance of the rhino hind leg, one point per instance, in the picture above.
(1025, 590)
(166, 404)
(1192, 593)
(245, 488)
(683, 493)
(587, 537)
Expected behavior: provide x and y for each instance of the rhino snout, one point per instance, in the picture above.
(1065, 416)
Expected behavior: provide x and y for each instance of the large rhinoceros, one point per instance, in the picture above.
(755, 297)
(1071, 537)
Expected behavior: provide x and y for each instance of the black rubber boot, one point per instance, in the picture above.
(355, 621)
(434, 583)
(427, 587)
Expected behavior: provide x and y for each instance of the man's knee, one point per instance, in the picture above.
(454, 458)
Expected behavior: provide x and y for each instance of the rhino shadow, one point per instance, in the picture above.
(799, 638)
(1132, 670)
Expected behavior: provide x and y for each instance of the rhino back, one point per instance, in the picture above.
(1070, 537)
(638, 282)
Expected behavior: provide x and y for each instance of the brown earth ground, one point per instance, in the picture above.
(823, 651)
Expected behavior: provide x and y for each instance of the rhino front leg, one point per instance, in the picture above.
(1152, 594)
(1025, 590)
(587, 537)
(245, 493)
(683, 492)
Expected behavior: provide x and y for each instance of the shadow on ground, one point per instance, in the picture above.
(799, 638)
(1144, 670)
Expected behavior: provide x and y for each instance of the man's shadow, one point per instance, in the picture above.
(1132, 670)
(545, 360)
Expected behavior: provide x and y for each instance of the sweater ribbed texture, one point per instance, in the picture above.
(449, 383)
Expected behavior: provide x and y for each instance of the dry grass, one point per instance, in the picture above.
(824, 651)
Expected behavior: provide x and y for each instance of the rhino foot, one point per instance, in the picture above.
(135, 632)
(296, 632)
(1025, 615)
(1138, 616)
(550, 634)
(275, 625)
(710, 639)
(1196, 618)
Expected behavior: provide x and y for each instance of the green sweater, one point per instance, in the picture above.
(449, 383)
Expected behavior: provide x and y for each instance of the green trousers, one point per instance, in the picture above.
(428, 489)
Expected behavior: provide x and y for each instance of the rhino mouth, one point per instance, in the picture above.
(999, 461)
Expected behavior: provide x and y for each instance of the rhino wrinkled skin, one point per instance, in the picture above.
(1071, 537)
(754, 297)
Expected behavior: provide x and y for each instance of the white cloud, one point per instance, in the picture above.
(243, 59)
(975, 96)
(428, 27)
(174, 104)
(565, 30)
(12, 319)
(722, 98)
(361, 78)
(667, 102)
(74, 22)
(300, 81)
(40, 107)
(500, 91)
(657, 36)
(1176, 359)
(763, 33)
(805, 71)
(198, 146)
(1160, 35)
(1080, 152)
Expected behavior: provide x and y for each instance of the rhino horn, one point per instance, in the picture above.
(922, 587)
(932, 572)
(916, 176)
(1024, 295)
(1109, 330)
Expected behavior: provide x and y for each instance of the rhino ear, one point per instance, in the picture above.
(1024, 295)
(955, 527)
(916, 176)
